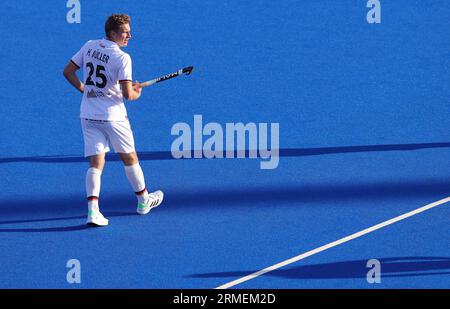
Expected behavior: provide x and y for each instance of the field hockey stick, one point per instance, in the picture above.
(186, 70)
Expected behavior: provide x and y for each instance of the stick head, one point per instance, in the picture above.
(188, 70)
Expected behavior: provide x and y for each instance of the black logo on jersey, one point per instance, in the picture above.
(97, 94)
(94, 94)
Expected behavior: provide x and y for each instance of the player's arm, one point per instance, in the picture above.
(131, 91)
(71, 76)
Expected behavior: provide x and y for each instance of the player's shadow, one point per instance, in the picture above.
(65, 228)
(47, 210)
(284, 152)
(389, 267)
(79, 227)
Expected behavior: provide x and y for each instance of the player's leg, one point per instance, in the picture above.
(95, 147)
(122, 139)
(134, 174)
(133, 170)
(93, 181)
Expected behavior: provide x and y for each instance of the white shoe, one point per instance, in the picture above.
(96, 218)
(154, 200)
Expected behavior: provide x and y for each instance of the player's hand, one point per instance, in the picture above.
(137, 88)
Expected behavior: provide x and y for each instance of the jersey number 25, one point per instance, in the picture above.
(98, 73)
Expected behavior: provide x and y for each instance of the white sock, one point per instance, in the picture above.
(93, 183)
(93, 205)
(142, 197)
(137, 181)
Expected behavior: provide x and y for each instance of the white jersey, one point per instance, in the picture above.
(105, 66)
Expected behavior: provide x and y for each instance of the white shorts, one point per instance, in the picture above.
(98, 134)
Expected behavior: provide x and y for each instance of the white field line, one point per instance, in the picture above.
(334, 243)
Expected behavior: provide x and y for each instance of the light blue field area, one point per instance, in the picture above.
(364, 136)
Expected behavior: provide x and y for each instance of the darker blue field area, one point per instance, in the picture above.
(363, 112)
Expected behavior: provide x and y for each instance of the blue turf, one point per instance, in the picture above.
(329, 79)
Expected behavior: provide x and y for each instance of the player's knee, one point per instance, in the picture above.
(97, 165)
(97, 162)
(129, 158)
